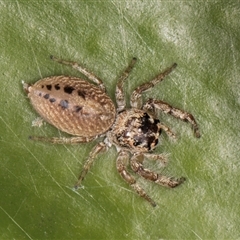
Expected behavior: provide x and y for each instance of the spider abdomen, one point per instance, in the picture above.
(136, 130)
(72, 105)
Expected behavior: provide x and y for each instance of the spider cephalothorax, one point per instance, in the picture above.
(136, 131)
(85, 110)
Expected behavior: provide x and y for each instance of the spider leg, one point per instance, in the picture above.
(136, 97)
(100, 147)
(157, 157)
(122, 158)
(167, 130)
(137, 166)
(62, 140)
(119, 93)
(81, 69)
(175, 112)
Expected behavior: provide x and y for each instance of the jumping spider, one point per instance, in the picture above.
(83, 109)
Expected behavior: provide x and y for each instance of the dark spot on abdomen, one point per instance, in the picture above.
(57, 87)
(64, 104)
(49, 87)
(68, 89)
(52, 100)
(82, 93)
(46, 96)
(77, 108)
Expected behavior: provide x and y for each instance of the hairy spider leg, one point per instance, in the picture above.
(154, 105)
(63, 140)
(99, 148)
(136, 97)
(82, 70)
(137, 167)
(122, 159)
(119, 93)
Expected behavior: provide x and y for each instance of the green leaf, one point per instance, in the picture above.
(37, 200)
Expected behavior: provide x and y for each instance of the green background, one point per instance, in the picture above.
(36, 179)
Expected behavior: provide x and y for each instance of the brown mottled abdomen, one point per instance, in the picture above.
(72, 105)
